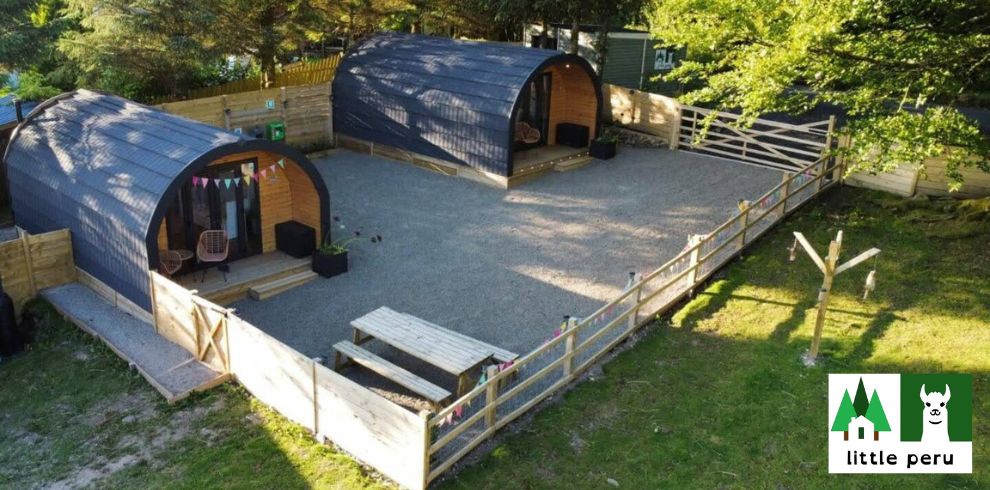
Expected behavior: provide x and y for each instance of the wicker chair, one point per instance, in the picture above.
(526, 133)
(169, 262)
(213, 247)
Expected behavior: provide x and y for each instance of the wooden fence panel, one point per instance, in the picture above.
(306, 111)
(34, 262)
(645, 112)
(274, 373)
(934, 182)
(373, 429)
(173, 312)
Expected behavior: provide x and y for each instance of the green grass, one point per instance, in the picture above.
(715, 396)
(71, 412)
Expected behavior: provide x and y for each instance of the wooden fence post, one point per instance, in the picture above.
(784, 194)
(28, 263)
(744, 219)
(424, 417)
(491, 395)
(569, 347)
(634, 316)
(692, 275)
(226, 112)
(675, 128)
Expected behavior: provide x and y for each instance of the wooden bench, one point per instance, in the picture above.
(406, 379)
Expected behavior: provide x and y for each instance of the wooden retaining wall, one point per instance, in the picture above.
(910, 180)
(34, 262)
(371, 428)
(305, 110)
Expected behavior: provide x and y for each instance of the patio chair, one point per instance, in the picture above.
(169, 262)
(213, 247)
(526, 133)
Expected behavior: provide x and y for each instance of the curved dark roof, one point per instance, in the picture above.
(440, 97)
(108, 169)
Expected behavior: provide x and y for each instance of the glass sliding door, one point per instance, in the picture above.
(227, 202)
(534, 110)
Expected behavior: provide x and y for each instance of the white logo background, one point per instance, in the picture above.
(888, 387)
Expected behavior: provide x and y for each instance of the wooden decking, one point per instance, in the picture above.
(244, 274)
(539, 161)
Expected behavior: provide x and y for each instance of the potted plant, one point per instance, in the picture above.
(603, 147)
(330, 258)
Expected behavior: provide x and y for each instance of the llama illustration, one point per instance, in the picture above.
(935, 415)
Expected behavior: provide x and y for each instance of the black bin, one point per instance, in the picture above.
(573, 135)
(295, 239)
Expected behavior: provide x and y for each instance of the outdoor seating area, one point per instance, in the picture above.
(257, 277)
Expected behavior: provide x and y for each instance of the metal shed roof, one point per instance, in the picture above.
(108, 169)
(440, 97)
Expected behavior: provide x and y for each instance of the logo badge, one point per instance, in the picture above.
(900, 423)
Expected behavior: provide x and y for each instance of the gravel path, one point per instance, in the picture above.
(503, 266)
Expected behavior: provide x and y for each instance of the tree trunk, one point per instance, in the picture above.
(266, 51)
(544, 34)
(575, 36)
(601, 44)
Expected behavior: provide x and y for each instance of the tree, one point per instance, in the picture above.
(264, 29)
(845, 414)
(29, 32)
(138, 49)
(876, 414)
(861, 403)
(898, 67)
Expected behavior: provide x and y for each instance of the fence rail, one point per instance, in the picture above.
(509, 391)
(767, 143)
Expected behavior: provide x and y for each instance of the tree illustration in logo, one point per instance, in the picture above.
(860, 416)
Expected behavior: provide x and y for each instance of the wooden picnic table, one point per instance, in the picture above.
(450, 351)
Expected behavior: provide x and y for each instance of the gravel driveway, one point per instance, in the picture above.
(502, 266)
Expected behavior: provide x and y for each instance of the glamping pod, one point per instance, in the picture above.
(498, 110)
(137, 186)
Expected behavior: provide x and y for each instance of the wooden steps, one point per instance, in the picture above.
(269, 289)
(244, 275)
(400, 376)
(573, 163)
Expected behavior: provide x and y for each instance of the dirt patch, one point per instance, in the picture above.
(143, 446)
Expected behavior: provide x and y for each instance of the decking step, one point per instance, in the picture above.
(573, 163)
(269, 289)
(395, 373)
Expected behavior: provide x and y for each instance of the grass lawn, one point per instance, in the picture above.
(72, 415)
(715, 396)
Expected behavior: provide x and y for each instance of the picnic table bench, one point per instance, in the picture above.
(449, 351)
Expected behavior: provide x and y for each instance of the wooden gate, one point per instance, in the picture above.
(777, 145)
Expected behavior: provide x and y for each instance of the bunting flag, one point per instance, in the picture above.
(217, 182)
(227, 182)
(264, 172)
(281, 162)
(195, 181)
(247, 180)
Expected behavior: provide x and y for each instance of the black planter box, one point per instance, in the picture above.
(329, 265)
(602, 150)
(295, 238)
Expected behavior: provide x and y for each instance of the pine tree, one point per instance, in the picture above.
(861, 403)
(876, 414)
(845, 413)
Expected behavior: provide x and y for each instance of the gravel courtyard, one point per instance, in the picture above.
(502, 266)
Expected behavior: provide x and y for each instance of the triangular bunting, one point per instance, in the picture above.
(195, 181)
(247, 180)
(227, 182)
(281, 162)
(217, 182)
(264, 172)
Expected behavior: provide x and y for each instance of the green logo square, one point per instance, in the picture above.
(951, 394)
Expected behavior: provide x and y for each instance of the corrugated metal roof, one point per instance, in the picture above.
(100, 165)
(440, 97)
(8, 115)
